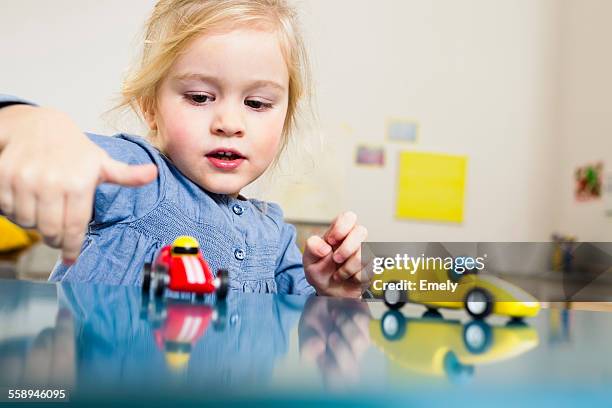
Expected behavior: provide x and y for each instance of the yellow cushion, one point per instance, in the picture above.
(13, 237)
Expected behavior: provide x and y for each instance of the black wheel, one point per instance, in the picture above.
(146, 278)
(477, 336)
(432, 314)
(516, 322)
(478, 303)
(394, 299)
(160, 279)
(220, 316)
(158, 313)
(393, 325)
(223, 288)
(144, 306)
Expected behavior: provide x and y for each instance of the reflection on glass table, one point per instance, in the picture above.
(438, 347)
(103, 343)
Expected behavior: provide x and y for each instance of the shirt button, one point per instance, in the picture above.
(238, 210)
(239, 254)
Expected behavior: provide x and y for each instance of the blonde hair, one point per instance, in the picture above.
(174, 23)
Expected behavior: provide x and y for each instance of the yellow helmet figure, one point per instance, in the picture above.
(176, 360)
(185, 245)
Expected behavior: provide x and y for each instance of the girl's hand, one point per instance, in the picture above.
(49, 171)
(333, 264)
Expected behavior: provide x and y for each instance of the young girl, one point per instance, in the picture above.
(218, 86)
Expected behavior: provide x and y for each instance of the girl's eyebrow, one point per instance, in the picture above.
(262, 83)
(266, 84)
(196, 77)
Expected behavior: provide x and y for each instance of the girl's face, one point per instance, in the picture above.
(221, 108)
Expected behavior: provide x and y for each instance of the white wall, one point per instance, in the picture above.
(585, 124)
(69, 54)
(480, 76)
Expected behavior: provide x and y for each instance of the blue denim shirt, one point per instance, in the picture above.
(130, 225)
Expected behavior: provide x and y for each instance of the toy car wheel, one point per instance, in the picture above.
(477, 336)
(144, 306)
(223, 288)
(146, 278)
(478, 303)
(516, 322)
(157, 313)
(394, 298)
(220, 318)
(432, 314)
(393, 325)
(161, 278)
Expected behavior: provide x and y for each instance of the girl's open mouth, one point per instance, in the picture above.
(225, 159)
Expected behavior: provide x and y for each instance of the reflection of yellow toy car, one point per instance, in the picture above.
(439, 347)
(480, 295)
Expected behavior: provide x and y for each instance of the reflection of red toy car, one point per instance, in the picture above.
(178, 326)
(180, 267)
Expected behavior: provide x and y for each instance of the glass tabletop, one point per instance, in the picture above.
(109, 343)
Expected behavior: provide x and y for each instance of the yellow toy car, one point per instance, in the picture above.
(437, 347)
(480, 294)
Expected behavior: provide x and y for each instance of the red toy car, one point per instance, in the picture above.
(181, 267)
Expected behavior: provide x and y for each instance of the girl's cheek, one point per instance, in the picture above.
(182, 129)
(273, 127)
(268, 133)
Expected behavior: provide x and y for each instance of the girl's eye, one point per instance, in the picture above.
(258, 105)
(199, 99)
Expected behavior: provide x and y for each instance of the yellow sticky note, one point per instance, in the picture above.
(431, 186)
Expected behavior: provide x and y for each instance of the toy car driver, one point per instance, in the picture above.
(185, 245)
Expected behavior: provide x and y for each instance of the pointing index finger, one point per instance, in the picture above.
(132, 175)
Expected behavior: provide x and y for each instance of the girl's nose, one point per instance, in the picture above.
(227, 122)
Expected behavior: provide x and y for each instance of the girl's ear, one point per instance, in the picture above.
(148, 111)
(150, 119)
